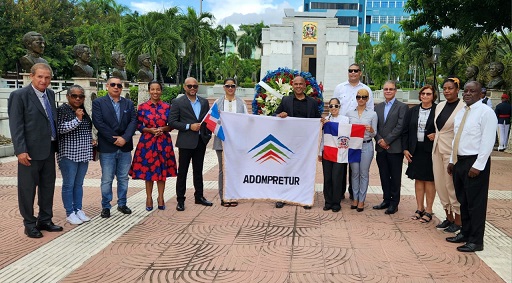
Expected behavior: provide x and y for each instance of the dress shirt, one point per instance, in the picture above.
(478, 134)
(387, 107)
(41, 99)
(196, 106)
(368, 117)
(117, 107)
(346, 93)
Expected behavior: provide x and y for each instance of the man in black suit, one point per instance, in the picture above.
(115, 119)
(186, 115)
(390, 156)
(297, 105)
(32, 121)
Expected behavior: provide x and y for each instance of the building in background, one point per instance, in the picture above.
(365, 16)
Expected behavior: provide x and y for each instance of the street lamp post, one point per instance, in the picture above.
(181, 54)
(436, 51)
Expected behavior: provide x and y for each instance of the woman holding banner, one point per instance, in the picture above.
(229, 103)
(333, 171)
(361, 170)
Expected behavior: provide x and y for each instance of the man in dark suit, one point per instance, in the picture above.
(390, 157)
(186, 115)
(115, 119)
(32, 121)
(297, 105)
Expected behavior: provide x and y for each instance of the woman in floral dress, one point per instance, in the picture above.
(154, 156)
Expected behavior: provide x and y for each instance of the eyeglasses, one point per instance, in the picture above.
(116, 85)
(193, 86)
(426, 93)
(365, 97)
(77, 96)
(388, 89)
(353, 70)
(334, 106)
(230, 86)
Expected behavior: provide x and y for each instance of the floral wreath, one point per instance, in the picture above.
(279, 81)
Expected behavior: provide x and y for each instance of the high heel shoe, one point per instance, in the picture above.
(149, 207)
(360, 209)
(161, 207)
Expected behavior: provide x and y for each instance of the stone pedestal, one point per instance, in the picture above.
(26, 78)
(126, 90)
(495, 96)
(90, 89)
(143, 93)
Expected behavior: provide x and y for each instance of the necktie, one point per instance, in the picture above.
(457, 137)
(50, 115)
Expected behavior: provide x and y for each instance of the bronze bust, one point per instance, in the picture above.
(35, 44)
(495, 71)
(145, 74)
(81, 67)
(471, 73)
(119, 62)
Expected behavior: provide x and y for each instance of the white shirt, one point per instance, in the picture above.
(346, 93)
(478, 134)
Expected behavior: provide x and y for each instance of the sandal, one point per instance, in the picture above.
(233, 204)
(418, 214)
(225, 204)
(426, 220)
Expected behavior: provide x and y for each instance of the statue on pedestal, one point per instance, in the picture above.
(145, 74)
(495, 71)
(119, 62)
(34, 42)
(81, 67)
(471, 73)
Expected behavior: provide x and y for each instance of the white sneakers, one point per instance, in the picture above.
(77, 218)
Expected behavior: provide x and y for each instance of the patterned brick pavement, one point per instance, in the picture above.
(253, 242)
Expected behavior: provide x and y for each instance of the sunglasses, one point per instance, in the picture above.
(334, 106)
(116, 85)
(388, 89)
(426, 93)
(193, 86)
(362, 97)
(353, 70)
(230, 86)
(77, 96)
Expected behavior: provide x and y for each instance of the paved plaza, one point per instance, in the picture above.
(254, 242)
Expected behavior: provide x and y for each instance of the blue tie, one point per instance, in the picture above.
(50, 115)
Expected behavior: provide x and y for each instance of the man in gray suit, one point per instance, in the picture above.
(390, 157)
(186, 115)
(32, 121)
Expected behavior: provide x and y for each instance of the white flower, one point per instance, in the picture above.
(284, 88)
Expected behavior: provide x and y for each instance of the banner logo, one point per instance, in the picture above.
(343, 142)
(270, 148)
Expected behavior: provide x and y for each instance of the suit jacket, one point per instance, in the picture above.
(105, 120)
(30, 127)
(183, 114)
(444, 137)
(287, 106)
(391, 130)
(410, 133)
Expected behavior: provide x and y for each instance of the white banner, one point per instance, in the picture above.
(270, 158)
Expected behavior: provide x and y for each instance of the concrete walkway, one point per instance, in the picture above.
(254, 242)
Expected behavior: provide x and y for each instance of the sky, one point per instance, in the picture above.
(234, 12)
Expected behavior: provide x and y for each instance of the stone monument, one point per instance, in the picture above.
(145, 74)
(495, 71)
(35, 44)
(81, 67)
(119, 62)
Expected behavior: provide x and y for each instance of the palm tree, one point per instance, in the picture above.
(388, 47)
(245, 45)
(226, 33)
(255, 32)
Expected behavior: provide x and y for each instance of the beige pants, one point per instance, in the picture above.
(444, 182)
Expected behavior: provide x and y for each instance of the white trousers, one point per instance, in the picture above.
(503, 130)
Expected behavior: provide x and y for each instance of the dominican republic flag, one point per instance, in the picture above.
(343, 142)
(212, 120)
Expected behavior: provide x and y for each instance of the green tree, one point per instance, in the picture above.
(226, 33)
(387, 49)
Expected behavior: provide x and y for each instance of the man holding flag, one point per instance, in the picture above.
(186, 115)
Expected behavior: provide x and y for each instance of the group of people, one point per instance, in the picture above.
(447, 147)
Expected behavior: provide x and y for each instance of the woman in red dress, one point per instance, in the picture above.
(154, 156)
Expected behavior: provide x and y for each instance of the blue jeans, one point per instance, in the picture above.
(114, 164)
(73, 174)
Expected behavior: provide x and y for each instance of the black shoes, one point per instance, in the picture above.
(444, 224)
(327, 207)
(33, 232)
(279, 204)
(452, 228)
(383, 205)
(50, 227)
(391, 209)
(124, 209)
(180, 206)
(336, 208)
(457, 239)
(360, 209)
(203, 201)
(105, 213)
(307, 207)
(470, 248)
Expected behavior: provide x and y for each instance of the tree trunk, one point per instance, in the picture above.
(190, 64)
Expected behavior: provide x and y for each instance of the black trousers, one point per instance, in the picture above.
(344, 181)
(197, 157)
(333, 185)
(390, 171)
(41, 175)
(472, 195)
